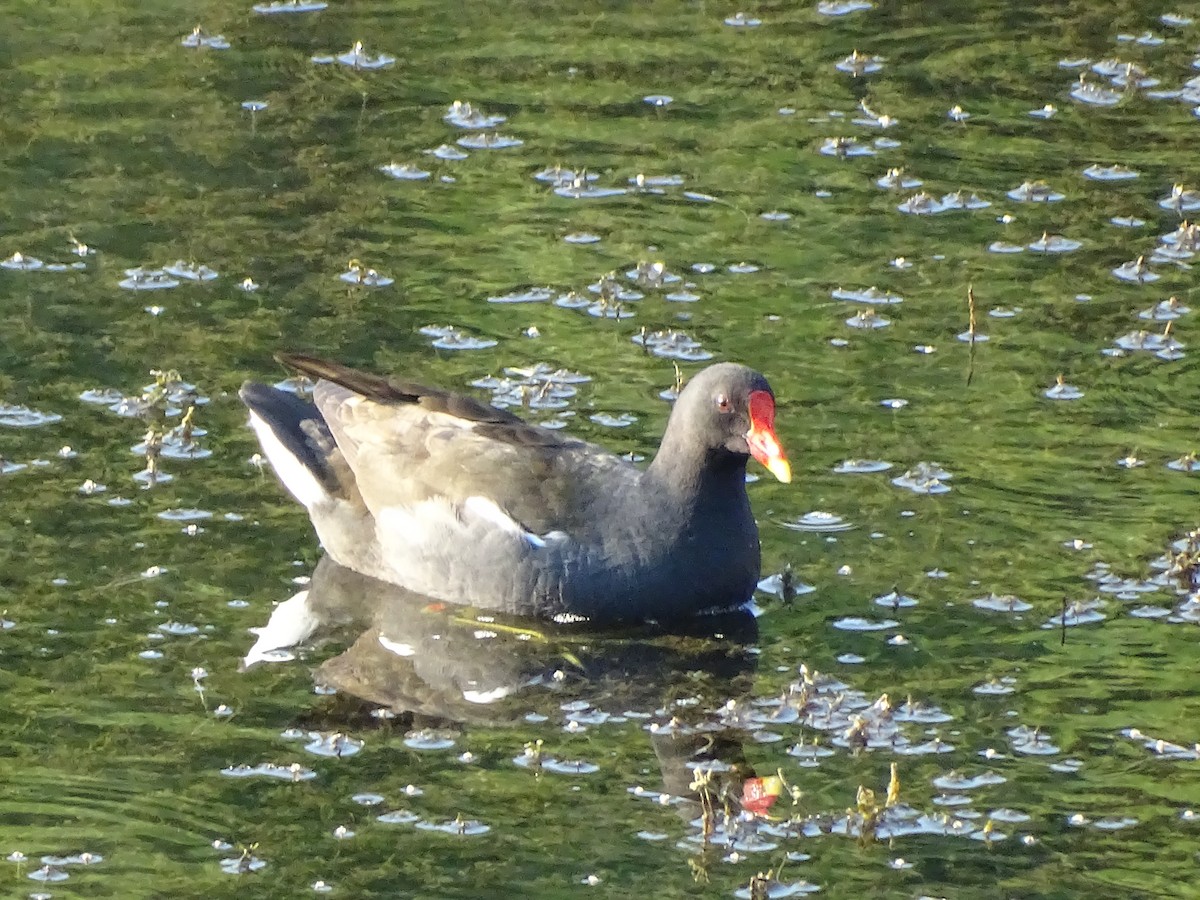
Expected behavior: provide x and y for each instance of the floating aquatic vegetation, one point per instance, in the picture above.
(741, 20)
(75, 859)
(545, 374)
(844, 148)
(1145, 39)
(178, 629)
(200, 40)
(19, 262)
(1054, 243)
(995, 687)
(609, 309)
(1005, 247)
(1185, 237)
(448, 152)
(190, 271)
(765, 887)
(861, 466)
(857, 623)
(858, 64)
(1060, 390)
(954, 780)
(872, 119)
(581, 188)
(558, 175)
(184, 515)
(528, 295)
(14, 416)
(462, 114)
(460, 827)
(449, 338)
(867, 295)
(582, 237)
(405, 171)
(672, 344)
(242, 865)
(921, 204)
(1127, 588)
(896, 600)
(1130, 461)
(868, 319)
(573, 300)
(139, 279)
(284, 7)
(1186, 463)
(398, 817)
(608, 420)
(429, 739)
(1166, 310)
(567, 766)
(1136, 271)
(489, 140)
(836, 8)
(819, 521)
(1092, 94)
(612, 291)
(1134, 76)
(333, 744)
(925, 478)
(1008, 603)
(651, 274)
(1035, 192)
(1180, 199)
(895, 179)
(48, 874)
(359, 59)
(293, 772)
(1032, 741)
(358, 274)
(1078, 612)
(1110, 173)
(650, 181)
(784, 585)
(962, 200)
(742, 268)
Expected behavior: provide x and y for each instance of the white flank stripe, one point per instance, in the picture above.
(296, 477)
(488, 511)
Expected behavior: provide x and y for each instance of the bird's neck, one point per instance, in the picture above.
(697, 475)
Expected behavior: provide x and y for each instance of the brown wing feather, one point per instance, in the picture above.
(393, 391)
(403, 450)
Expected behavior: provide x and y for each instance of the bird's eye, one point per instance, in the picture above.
(723, 404)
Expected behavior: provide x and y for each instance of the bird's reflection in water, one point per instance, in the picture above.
(422, 664)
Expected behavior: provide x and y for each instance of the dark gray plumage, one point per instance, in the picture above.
(458, 500)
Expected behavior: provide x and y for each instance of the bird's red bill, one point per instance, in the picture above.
(764, 446)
